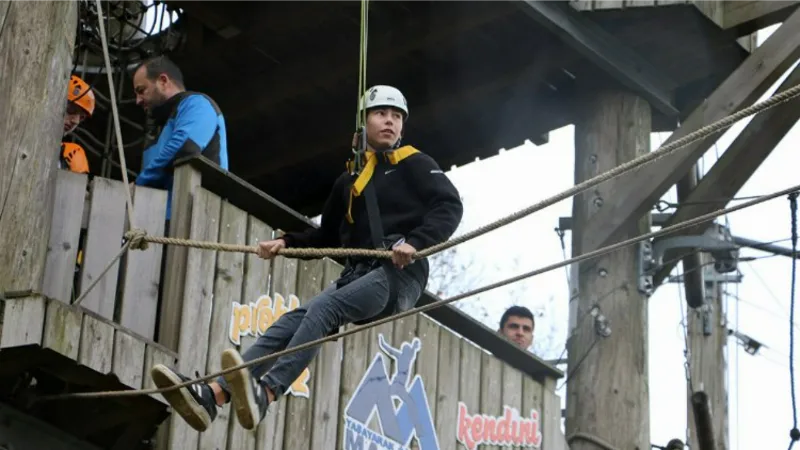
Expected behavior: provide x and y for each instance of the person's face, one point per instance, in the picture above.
(73, 117)
(149, 93)
(519, 330)
(384, 127)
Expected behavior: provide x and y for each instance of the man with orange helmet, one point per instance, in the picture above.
(80, 106)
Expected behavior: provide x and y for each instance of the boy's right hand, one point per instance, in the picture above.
(270, 249)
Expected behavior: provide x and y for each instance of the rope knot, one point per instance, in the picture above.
(137, 240)
(795, 434)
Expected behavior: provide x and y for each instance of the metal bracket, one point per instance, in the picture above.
(711, 277)
(717, 240)
(751, 346)
(601, 324)
(645, 263)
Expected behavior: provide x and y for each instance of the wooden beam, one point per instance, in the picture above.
(326, 70)
(214, 17)
(750, 16)
(613, 127)
(608, 52)
(269, 25)
(708, 336)
(644, 186)
(736, 165)
(32, 95)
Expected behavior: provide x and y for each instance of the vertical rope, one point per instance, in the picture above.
(117, 128)
(361, 114)
(794, 433)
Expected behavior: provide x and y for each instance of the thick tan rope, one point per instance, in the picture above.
(356, 329)
(663, 151)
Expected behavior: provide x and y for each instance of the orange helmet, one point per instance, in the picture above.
(81, 94)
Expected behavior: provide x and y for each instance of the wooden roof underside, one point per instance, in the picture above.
(478, 76)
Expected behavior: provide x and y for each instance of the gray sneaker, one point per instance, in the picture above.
(248, 395)
(195, 403)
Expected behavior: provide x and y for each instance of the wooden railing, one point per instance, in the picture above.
(469, 384)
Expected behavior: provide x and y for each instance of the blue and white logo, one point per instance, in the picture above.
(400, 404)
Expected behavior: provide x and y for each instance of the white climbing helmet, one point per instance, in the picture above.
(382, 95)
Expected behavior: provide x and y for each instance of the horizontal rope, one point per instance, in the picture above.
(437, 304)
(142, 237)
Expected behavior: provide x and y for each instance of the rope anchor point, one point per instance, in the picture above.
(137, 239)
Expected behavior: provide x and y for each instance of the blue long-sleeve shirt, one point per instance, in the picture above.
(195, 125)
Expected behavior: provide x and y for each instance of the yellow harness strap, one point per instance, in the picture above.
(394, 157)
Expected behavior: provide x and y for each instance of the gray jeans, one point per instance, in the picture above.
(333, 308)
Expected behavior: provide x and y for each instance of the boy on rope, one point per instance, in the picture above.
(400, 200)
(80, 106)
(191, 122)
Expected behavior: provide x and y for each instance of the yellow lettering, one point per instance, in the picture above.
(280, 306)
(300, 386)
(254, 319)
(265, 314)
(240, 322)
(294, 302)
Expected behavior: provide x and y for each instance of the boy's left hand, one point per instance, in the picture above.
(401, 255)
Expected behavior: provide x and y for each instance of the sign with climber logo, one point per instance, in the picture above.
(253, 320)
(398, 403)
(508, 430)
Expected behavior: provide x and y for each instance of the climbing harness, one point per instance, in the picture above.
(393, 157)
(138, 239)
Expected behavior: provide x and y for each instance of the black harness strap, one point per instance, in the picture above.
(376, 229)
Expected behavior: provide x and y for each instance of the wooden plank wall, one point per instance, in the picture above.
(92, 333)
(597, 5)
(232, 298)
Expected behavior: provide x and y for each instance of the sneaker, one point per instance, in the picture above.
(248, 396)
(195, 403)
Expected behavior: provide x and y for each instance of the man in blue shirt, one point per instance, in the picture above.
(191, 123)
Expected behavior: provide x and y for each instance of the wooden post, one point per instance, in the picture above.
(36, 43)
(607, 394)
(708, 337)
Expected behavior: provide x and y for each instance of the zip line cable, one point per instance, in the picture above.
(599, 252)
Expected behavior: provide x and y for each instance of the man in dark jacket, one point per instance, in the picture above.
(191, 123)
(418, 207)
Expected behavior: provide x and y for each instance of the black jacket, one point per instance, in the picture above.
(415, 198)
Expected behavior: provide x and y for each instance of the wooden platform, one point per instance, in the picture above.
(106, 342)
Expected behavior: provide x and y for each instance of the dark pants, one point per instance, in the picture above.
(361, 299)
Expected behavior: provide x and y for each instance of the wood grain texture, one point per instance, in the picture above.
(35, 60)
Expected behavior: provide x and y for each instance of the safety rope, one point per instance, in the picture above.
(361, 112)
(437, 304)
(794, 433)
(115, 113)
(663, 151)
